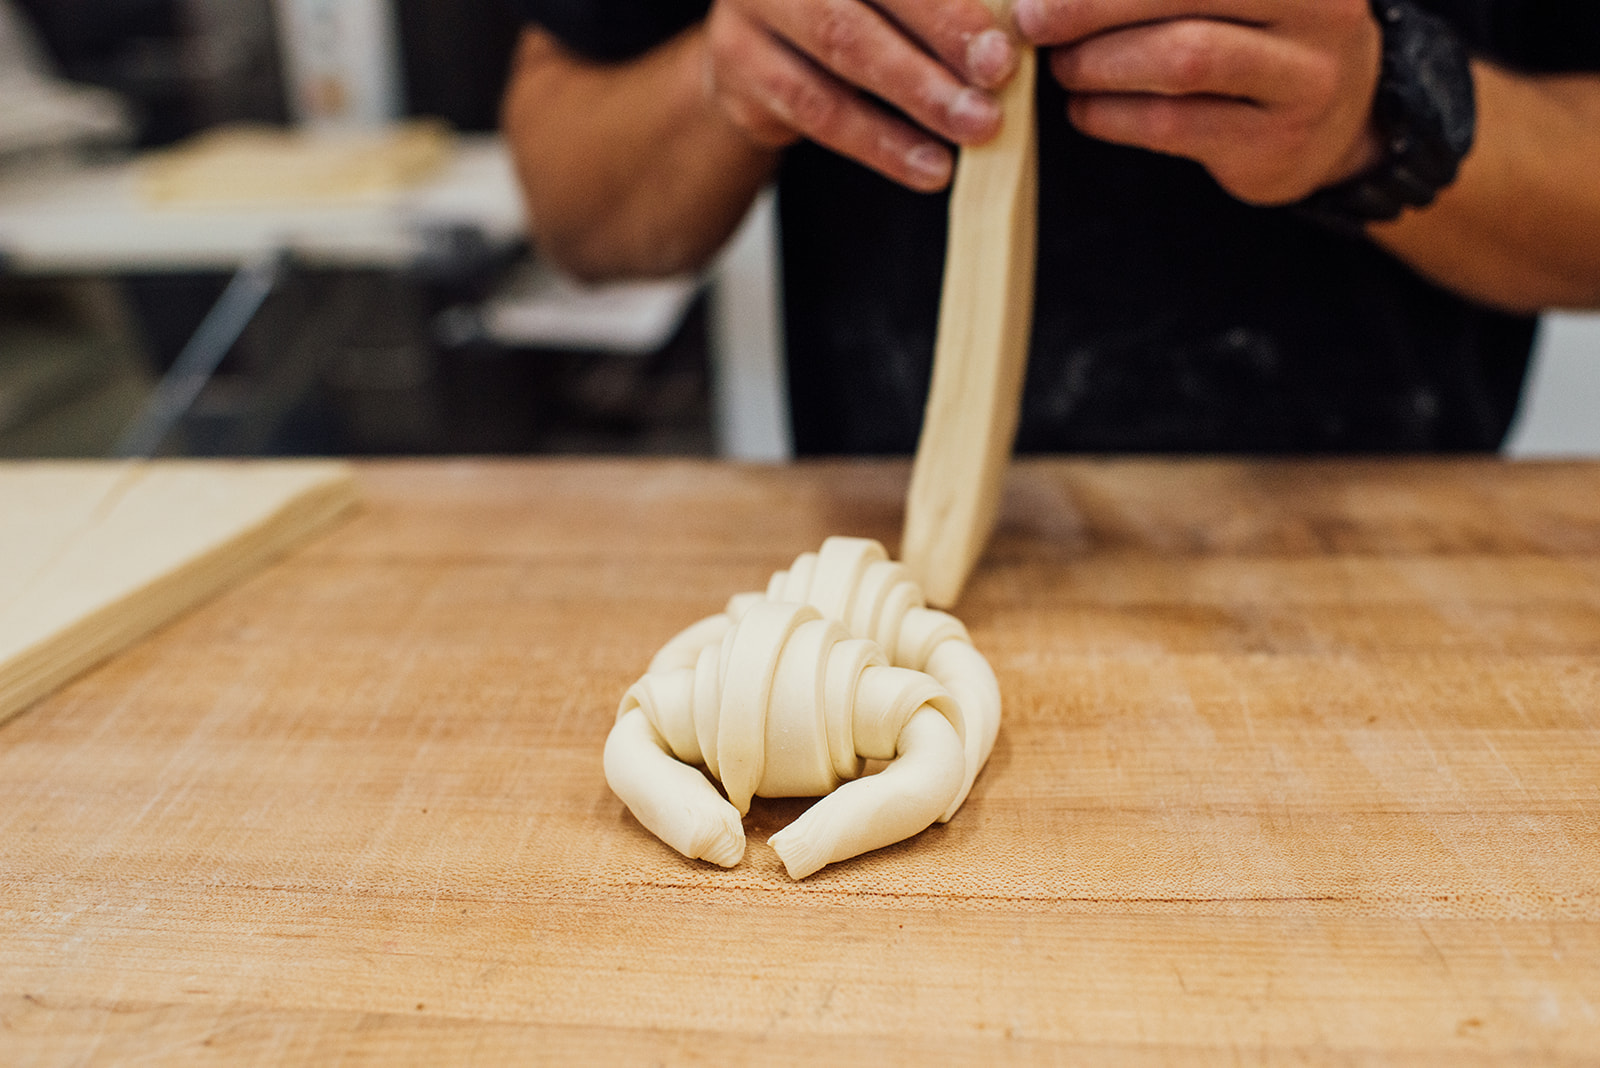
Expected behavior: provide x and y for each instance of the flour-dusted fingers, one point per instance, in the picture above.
(748, 73)
(777, 96)
(889, 88)
(1188, 57)
(964, 34)
(1274, 99)
(864, 49)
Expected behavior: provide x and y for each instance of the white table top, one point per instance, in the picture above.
(93, 221)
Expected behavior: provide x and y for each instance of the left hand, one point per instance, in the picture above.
(1273, 97)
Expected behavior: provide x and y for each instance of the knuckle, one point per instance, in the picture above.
(941, 27)
(1191, 58)
(953, 22)
(806, 105)
(720, 31)
(756, 123)
(930, 99)
(731, 51)
(840, 36)
(1071, 22)
(722, 51)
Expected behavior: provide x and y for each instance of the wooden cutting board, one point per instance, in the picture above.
(1300, 765)
(94, 555)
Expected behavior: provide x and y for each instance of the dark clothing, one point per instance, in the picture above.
(1168, 315)
(613, 30)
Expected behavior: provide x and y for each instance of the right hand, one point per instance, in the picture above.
(782, 70)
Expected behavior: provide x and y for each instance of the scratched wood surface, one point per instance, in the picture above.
(1300, 764)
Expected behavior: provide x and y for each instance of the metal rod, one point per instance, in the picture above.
(217, 333)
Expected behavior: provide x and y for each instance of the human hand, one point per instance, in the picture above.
(1273, 97)
(824, 69)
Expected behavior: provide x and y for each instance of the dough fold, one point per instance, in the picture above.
(787, 693)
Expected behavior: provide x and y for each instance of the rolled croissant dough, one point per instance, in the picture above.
(93, 555)
(787, 693)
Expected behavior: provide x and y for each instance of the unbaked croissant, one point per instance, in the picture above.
(787, 693)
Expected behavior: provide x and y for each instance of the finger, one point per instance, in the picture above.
(1178, 126)
(862, 48)
(809, 101)
(1056, 22)
(741, 56)
(1209, 130)
(1187, 57)
(964, 34)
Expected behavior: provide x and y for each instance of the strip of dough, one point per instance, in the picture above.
(94, 555)
(981, 353)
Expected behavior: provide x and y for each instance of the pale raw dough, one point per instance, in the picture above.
(94, 555)
(981, 353)
(787, 693)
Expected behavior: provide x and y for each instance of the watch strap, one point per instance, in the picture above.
(1425, 115)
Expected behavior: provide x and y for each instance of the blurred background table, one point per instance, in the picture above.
(385, 283)
(1301, 762)
(92, 220)
(95, 221)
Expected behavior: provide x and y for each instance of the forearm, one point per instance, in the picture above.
(628, 170)
(1517, 228)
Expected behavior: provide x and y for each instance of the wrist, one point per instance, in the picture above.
(1422, 125)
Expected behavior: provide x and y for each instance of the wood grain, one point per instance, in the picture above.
(1301, 763)
(96, 554)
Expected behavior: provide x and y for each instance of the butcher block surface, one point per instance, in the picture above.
(96, 554)
(1300, 763)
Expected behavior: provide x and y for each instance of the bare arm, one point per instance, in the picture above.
(628, 169)
(1518, 229)
(645, 167)
(1275, 98)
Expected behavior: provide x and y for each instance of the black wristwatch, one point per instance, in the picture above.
(1425, 113)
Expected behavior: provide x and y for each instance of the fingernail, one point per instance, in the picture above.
(1029, 17)
(974, 113)
(990, 58)
(930, 161)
